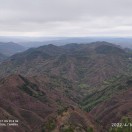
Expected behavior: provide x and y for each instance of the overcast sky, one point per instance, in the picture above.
(66, 17)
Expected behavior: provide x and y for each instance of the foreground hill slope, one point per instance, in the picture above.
(40, 108)
(114, 109)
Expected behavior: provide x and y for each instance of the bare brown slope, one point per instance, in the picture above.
(75, 120)
(112, 110)
(17, 104)
(31, 101)
(35, 101)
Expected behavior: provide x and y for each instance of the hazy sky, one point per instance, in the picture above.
(66, 17)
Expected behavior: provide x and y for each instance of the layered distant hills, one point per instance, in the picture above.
(125, 42)
(69, 88)
(2, 57)
(10, 48)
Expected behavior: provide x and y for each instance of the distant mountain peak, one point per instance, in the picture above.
(10, 48)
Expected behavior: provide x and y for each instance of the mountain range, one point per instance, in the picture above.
(28, 42)
(75, 62)
(67, 88)
(2, 57)
(10, 48)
